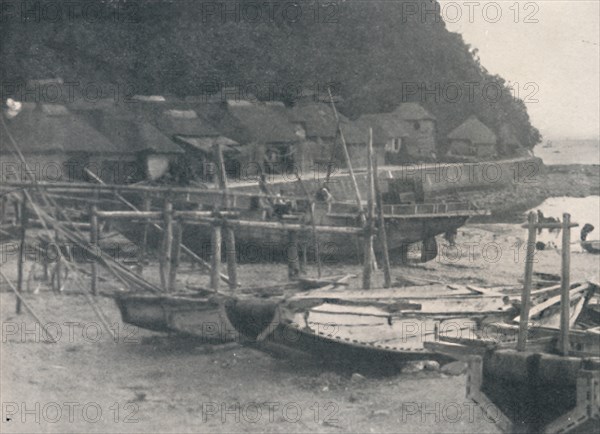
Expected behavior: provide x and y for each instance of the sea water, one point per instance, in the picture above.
(582, 209)
(569, 152)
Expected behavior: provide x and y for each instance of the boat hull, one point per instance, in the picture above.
(197, 317)
(358, 335)
(270, 245)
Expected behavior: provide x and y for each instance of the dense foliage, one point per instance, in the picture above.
(378, 53)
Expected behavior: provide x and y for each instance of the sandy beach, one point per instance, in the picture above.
(142, 381)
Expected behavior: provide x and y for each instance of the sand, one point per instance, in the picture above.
(150, 382)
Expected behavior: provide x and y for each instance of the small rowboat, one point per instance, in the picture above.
(197, 315)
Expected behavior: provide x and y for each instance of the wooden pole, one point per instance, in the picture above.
(231, 258)
(168, 245)
(146, 206)
(104, 187)
(176, 247)
(292, 255)
(313, 224)
(58, 268)
(21, 262)
(368, 247)
(303, 262)
(221, 174)
(347, 155)
(525, 295)
(94, 245)
(565, 285)
(382, 231)
(215, 260)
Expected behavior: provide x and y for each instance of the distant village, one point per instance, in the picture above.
(171, 140)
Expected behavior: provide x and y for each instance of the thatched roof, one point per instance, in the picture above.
(474, 131)
(319, 121)
(205, 144)
(385, 126)
(131, 134)
(176, 122)
(249, 122)
(48, 128)
(412, 111)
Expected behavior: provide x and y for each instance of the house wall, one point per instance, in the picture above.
(466, 148)
(358, 155)
(420, 142)
(485, 150)
(42, 167)
(460, 147)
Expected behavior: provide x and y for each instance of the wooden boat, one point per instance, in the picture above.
(197, 315)
(380, 326)
(268, 238)
(543, 334)
(384, 327)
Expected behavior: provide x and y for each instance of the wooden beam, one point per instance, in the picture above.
(146, 205)
(176, 255)
(186, 249)
(21, 263)
(231, 257)
(292, 255)
(382, 231)
(565, 282)
(215, 259)
(368, 246)
(346, 155)
(94, 245)
(168, 246)
(525, 295)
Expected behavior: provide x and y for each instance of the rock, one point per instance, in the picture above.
(357, 378)
(413, 367)
(431, 365)
(454, 368)
(352, 398)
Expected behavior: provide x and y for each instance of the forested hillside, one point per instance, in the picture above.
(376, 52)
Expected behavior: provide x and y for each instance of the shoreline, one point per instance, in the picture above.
(510, 204)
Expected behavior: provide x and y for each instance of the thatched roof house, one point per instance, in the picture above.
(56, 143)
(139, 139)
(407, 133)
(412, 111)
(472, 138)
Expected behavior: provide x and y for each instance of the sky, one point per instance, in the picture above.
(549, 50)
